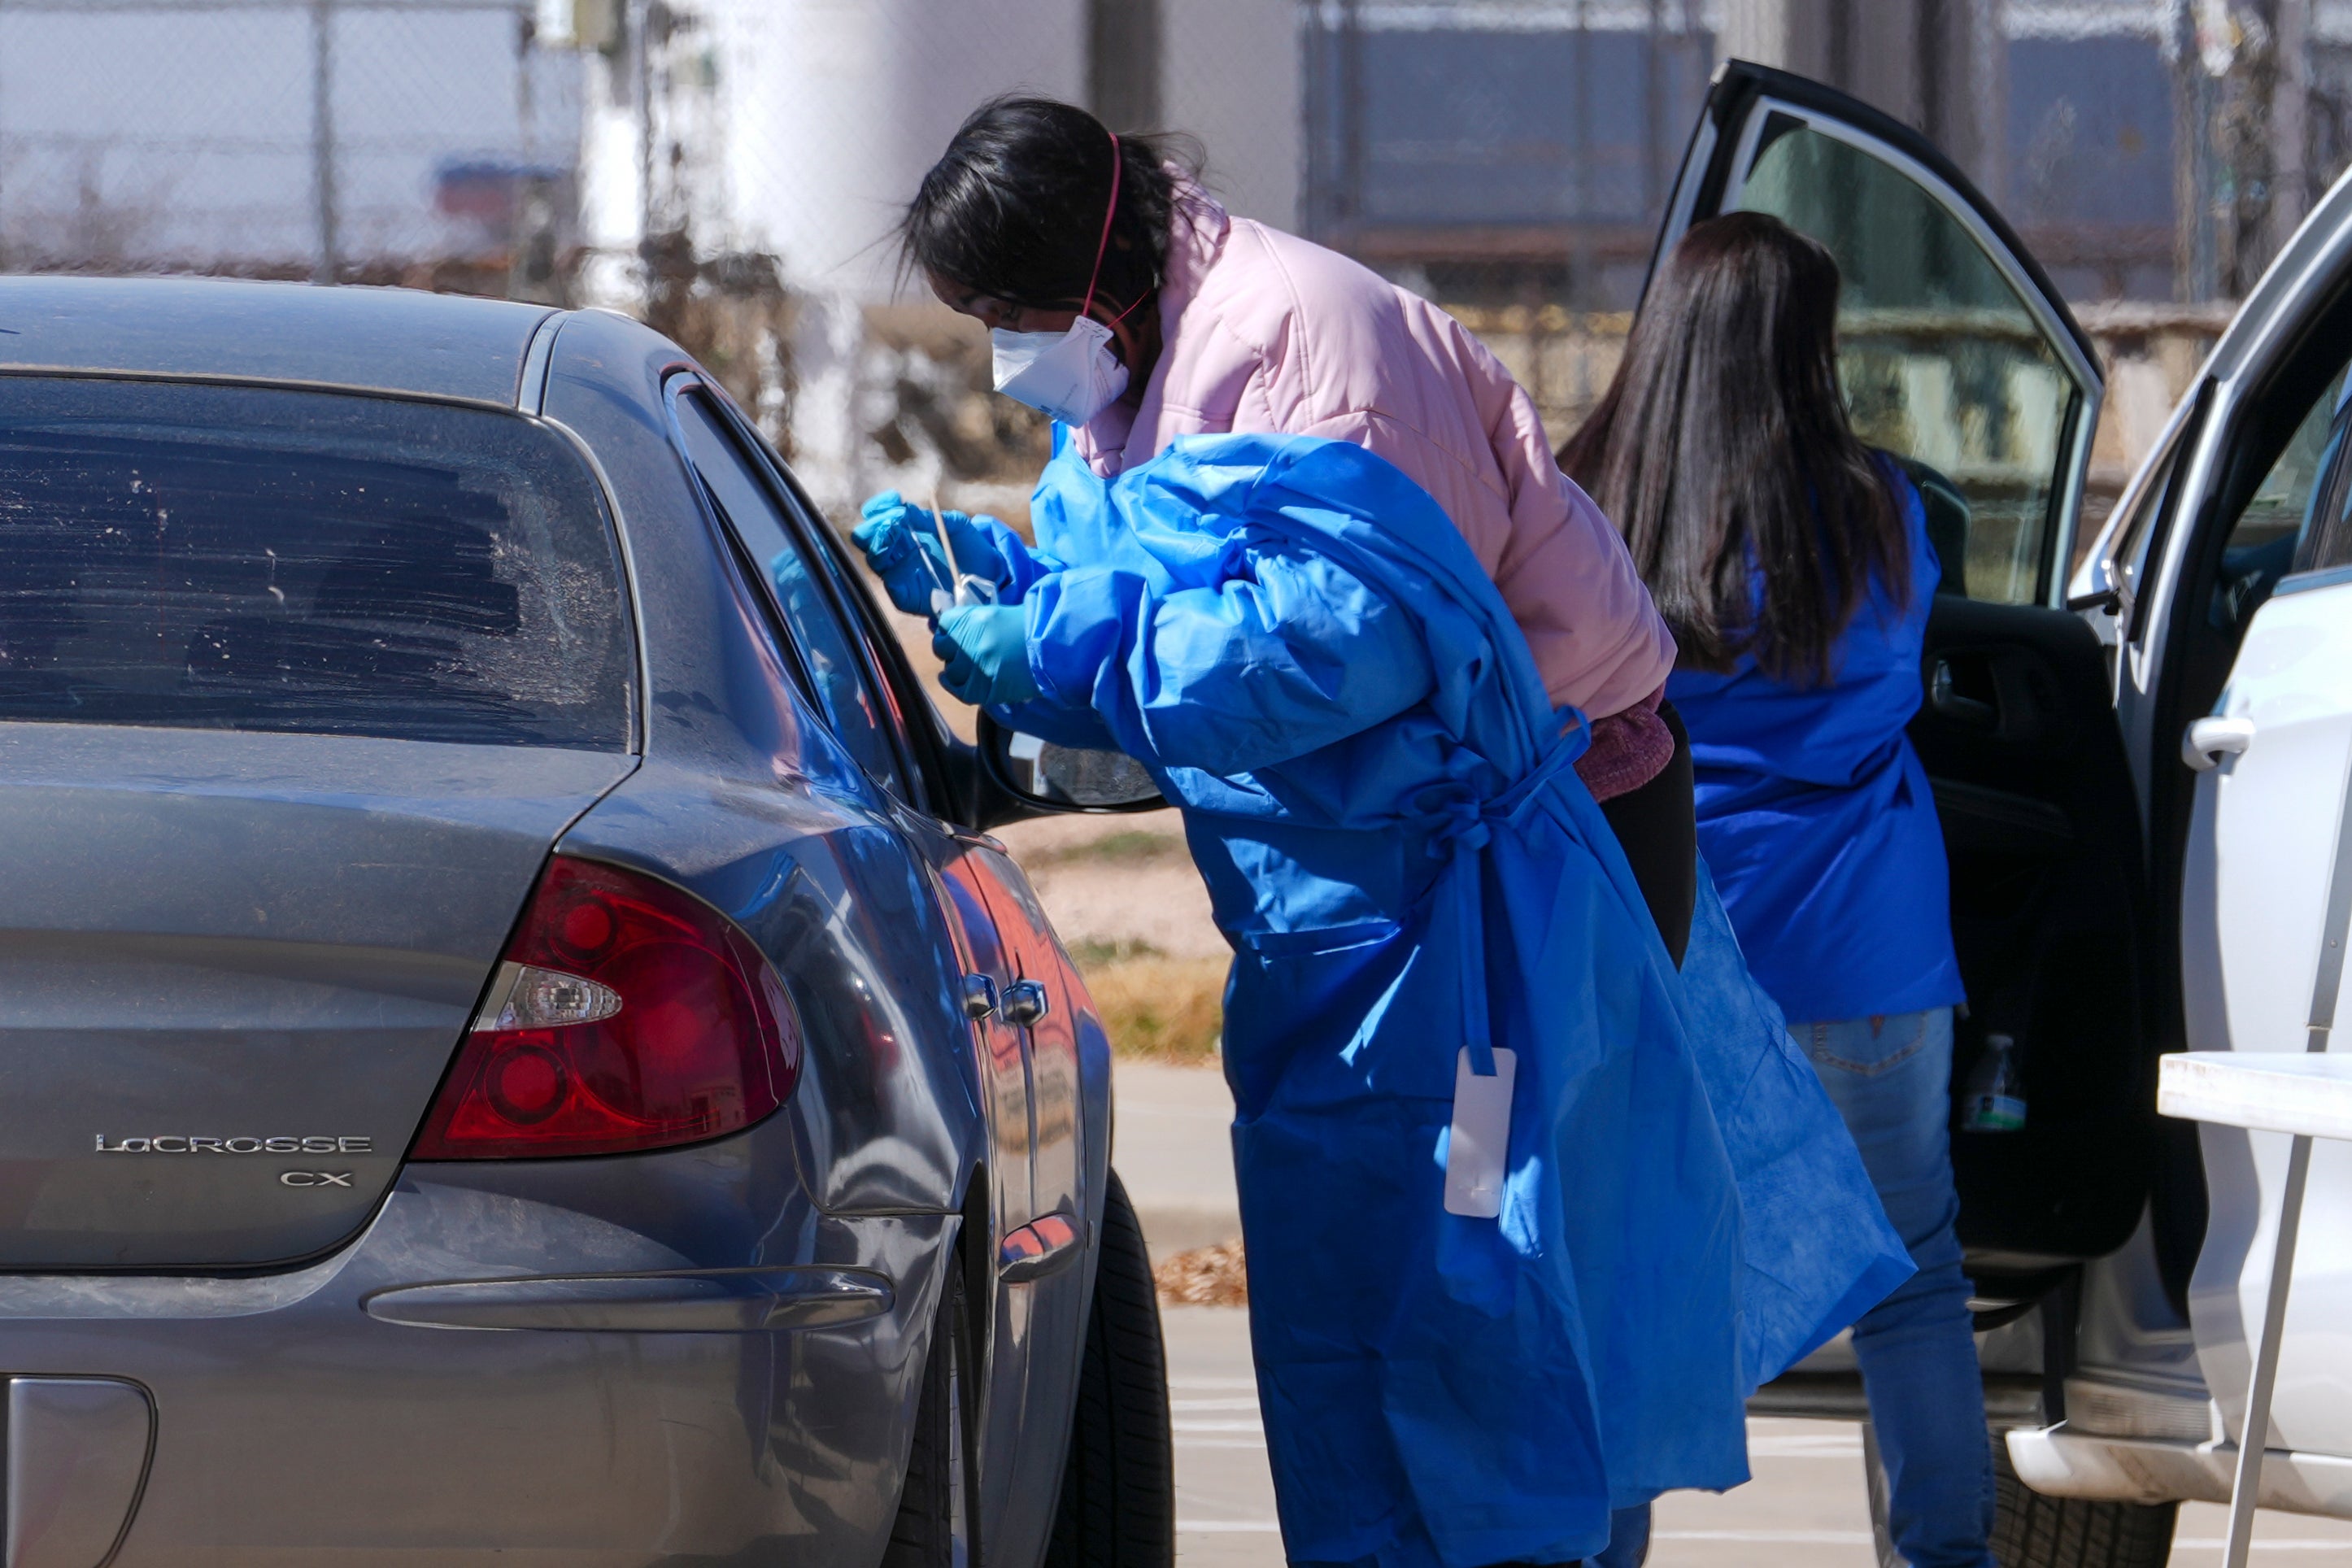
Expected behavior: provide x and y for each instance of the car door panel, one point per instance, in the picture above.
(2267, 858)
(1026, 1393)
(2017, 734)
(1055, 1159)
(1012, 1401)
(1961, 360)
(1000, 1053)
(1041, 1296)
(1045, 1244)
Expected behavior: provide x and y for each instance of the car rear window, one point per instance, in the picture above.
(245, 558)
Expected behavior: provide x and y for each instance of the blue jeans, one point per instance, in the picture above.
(1891, 1079)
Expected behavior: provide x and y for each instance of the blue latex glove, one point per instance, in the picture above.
(903, 547)
(986, 648)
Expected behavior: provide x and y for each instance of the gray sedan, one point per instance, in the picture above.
(512, 1045)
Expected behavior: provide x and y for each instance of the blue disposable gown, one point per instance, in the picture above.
(1298, 643)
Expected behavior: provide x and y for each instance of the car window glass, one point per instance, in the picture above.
(250, 558)
(1943, 362)
(751, 514)
(2327, 540)
(2264, 536)
(2277, 508)
(898, 701)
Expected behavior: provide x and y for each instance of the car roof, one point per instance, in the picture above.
(385, 340)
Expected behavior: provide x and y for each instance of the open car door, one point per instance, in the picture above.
(1960, 357)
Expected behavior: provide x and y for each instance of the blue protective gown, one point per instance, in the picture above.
(1298, 643)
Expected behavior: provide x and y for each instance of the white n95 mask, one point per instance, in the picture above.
(1070, 375)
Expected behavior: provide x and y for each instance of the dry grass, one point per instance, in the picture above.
(1165, 1009)
(1130, 847)
(1204, 1277)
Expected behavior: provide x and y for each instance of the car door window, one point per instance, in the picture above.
(2325, 544)
(902, 701)
(2270, 528)
(753, 516)
(904, 706)
(1945, 359)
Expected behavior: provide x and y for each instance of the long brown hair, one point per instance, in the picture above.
(1723, 450)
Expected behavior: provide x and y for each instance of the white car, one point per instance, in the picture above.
(2119, 890)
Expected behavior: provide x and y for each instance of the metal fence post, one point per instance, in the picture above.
(1351, 124)
(1123, 63)
(322, 138)
(2290, 121)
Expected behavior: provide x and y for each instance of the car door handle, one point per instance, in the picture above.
(1025, 1004)
(1944, 697)
(2209, 739)
(1041, 1248)
(979, 997)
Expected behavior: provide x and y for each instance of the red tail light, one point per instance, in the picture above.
(625, 1016)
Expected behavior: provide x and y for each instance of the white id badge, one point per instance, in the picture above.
(1477, 1152)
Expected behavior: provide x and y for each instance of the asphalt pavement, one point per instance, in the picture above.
(1805, 1509)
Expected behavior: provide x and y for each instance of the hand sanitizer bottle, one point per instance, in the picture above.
(1995, 1098)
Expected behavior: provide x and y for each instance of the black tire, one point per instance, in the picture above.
(939, 1511)
(2030, 1531)
(2035, 1531)
(1117, 1506)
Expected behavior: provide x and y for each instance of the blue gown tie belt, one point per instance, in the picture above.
(1463, 825)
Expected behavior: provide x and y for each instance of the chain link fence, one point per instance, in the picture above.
(427, 141)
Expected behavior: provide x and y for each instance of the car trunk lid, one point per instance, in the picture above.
(234, 967)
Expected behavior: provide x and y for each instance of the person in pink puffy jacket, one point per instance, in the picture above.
(1039, 222)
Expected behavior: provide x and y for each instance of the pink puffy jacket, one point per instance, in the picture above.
(1266, 333)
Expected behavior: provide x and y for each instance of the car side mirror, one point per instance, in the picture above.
(1047, 777)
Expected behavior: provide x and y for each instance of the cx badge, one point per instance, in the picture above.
(314, 1178)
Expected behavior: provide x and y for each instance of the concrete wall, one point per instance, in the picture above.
(798, 128)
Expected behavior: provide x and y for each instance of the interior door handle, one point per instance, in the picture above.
(2209, 740)
(1944, 697)
(1025, 1003)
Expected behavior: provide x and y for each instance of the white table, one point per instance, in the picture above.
(2307, 1094)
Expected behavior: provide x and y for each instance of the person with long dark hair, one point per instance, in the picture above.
(1794, 566)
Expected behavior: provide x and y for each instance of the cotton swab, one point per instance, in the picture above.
(939, 524)
(966, 588)
(941, 598)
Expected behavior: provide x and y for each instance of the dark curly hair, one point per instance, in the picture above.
(1013, 209)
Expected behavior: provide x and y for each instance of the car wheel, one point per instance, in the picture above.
(939, 1511)
(2030, 1531)
(1118, 1486)
(2036, 1531)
